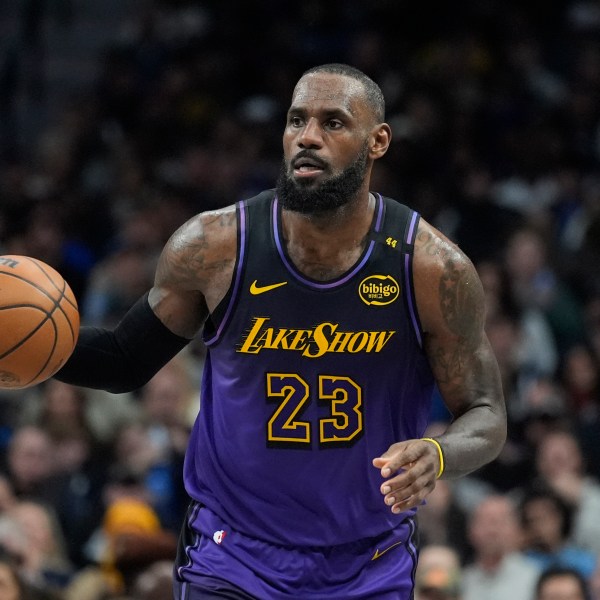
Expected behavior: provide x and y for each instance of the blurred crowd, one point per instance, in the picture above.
(495, 111)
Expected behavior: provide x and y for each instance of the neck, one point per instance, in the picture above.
(326, 245)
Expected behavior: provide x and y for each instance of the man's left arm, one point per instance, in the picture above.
(451, 308)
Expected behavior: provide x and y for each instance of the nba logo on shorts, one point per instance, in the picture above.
(219, 536)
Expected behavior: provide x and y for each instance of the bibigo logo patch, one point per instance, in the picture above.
(378, 290)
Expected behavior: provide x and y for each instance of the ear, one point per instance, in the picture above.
(379, 141)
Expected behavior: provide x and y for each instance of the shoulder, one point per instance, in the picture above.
(447, 285)
(434, 251)
(210, 224)
(206, 237)
(200, 255)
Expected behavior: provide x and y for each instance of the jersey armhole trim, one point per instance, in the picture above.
(409, 239)
(242, 219)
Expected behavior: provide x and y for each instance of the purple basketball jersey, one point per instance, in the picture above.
(306, 382)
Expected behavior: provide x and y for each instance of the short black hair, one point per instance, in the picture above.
(542, 492)
(558, 571)
(373, 92)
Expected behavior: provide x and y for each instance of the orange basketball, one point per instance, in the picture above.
(39, 321)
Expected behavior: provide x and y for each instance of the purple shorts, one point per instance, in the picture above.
(215, 561)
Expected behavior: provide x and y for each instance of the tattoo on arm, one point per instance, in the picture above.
(433, 246)
(181, 262)
(461, 306)
(188, 258)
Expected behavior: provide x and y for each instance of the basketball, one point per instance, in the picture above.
(39, 321)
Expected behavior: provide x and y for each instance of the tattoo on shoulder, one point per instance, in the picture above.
(199, 249)
(181, 261)
(461, 296)
(434, 246)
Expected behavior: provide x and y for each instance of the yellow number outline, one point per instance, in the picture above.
(288, 392)
(292, 393)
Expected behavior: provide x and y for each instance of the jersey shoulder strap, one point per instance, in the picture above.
(258, 216)
(399, 228)
(397, 234)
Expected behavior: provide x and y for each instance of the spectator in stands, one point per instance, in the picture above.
(535, 284)
(29, 461)
(442, 521)
(12, 586)
(74, 490)
(562, 584)
(155, 582)
(580, 376)
(560, 465)
(546, 520)
(498, 570)
(438, 575)
(164, 402)
(45, 563)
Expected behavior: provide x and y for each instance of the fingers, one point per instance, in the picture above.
(409, 488)
(410, 472)
(400, 455)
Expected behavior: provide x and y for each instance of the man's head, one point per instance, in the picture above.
(559, 454)
(372, 92)
(494, 528)
(561, 584)
(334, 132)
(30, 458)
(546, 520)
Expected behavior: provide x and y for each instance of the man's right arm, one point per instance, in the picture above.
(194, 272)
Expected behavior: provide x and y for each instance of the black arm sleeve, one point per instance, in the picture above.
(126, 358)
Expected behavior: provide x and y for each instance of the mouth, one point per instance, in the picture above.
(307, 166)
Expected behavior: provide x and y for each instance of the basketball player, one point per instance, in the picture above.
(329, 313)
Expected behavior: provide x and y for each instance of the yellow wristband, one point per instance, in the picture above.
(440, 454)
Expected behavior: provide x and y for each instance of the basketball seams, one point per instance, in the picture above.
(34, 285)
(63, 296)
(32, 332)
(50, 354)
(57, 302)
(24, 305)
(40, 266)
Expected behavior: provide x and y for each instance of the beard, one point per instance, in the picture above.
(331, 193)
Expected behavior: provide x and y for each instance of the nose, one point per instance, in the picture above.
(310, 136)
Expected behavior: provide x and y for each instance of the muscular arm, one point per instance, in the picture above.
(193, 274)
(194, 271)
(451, 308)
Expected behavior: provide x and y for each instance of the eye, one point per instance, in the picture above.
(334, 124)
(295, 121)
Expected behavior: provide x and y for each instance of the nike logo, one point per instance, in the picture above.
(261, 289)
(379, 554)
